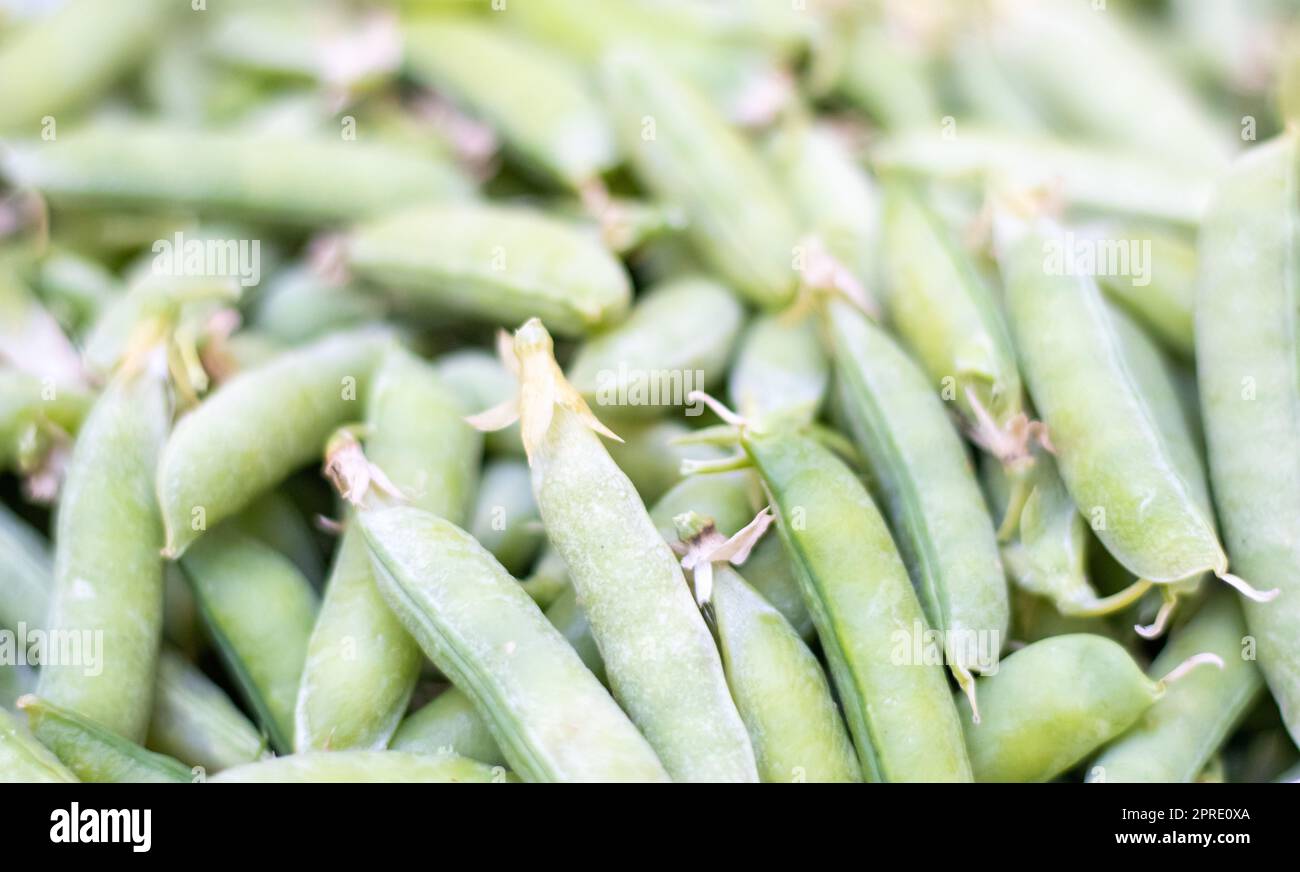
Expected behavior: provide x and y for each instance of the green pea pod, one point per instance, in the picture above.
(265, 423)
(687, 155)
(482, 382)
(24, 760)
(95, 753)
(1246, 352)
(651, 455)
(671, 682)
(76, 288)
(1163, 298)
(552, 719)
(293, 180)
(1178, 735)
(868, 619)
(274, 520)
(195, 722)
(919, 465)
(35, 416)
(368, 767)
(298, 306)
(781, 368)
(549, 578)
(15, 681)
(537, 100)
(259, 611)
(1053, 703)
(505, 517)
(497, 263)
(678, 338)
(60, 62)
(888, 80)
(108, 575)
(25, 573)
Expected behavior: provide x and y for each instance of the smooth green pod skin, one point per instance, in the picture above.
(1246, 351)
(1166, 305)
(108, 574)
(60, 62)
(1178, 735)
(482, 382)
(919, 464)
(548, 713)
(274, 520)
(1079, 371)
(677, 338)
(25, 573)
(501, 264)
(780, 368)
(95, 753)
(685, 153)
(265, 423)
(1051, 704)
(541, 106)
(259, 611)
(284, 179)
(298, 306)
(780, 689)
(318, 767)
(900, 714)
(505, 519)
(24, 760)
(195, 722)
(649, 455)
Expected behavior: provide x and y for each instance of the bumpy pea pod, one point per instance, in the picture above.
(361, 665)
(780, 368)
(1178, 735)
(363, 767)
(497, 263)
(1246, 351)
(108, 575)
(259, 611)
(195, 722)
(920, 466)
(264, 422)
(671, 682)
(24, 760)
(505, 519)
(95, 753)
(294, 180)
(535, 99)
(60, 62)
(548, 713)
(677, 339)
(1160, 291)
(685, 153)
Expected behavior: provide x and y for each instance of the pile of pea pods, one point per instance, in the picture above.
(649, 390)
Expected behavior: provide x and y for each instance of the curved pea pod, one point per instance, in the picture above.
(60, 62)
(259, 611)
(551, 718)
(265, 422)
(108, 574)
(1246, 352)
(898, 708)
(1176, 737)
(678, 338)
(779, 688)
(651, 453)
(482, 382)
(1160, 290)
(274, 520)
(1051, 704)
(298, 306)
(919, 465)
(95, 753)
(25, 573)
(537, 100)
(377, 767)
(449, 724)
(24, 760)
(671, 682)
(496, 263)
(280, 178)
(505, 519)
(781, 368)
(195, 722)
(684, 152)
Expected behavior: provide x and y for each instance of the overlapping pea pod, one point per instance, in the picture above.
(780, 368)
(887, 77)
(361, 665)
(1164, 299)
(294, 180)
(1246, 350)
(364, 767)
(671, 682)
(505, 519)
(496, 263)
(24, 760)
(482, 381)
(870, 624)
(95, 753)
(1121, 440)
(652, 453)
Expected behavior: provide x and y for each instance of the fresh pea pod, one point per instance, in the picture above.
(551, 718)
(108, 574)
(24, 760)
(1246, 352)
(652, 452)
(274, 520)
(505, 517)
(781, 368)
(1160, 292)
(264, 422)
(195, 722)
(259, 611)
(15, 682)
(549, 579)
(888, 79)
(36, 416)
(25, 573)
(482, 382)
(687, 155)
(919, 465)
(367, 767)
(497, 263)
(297, 305)
(95, 753)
